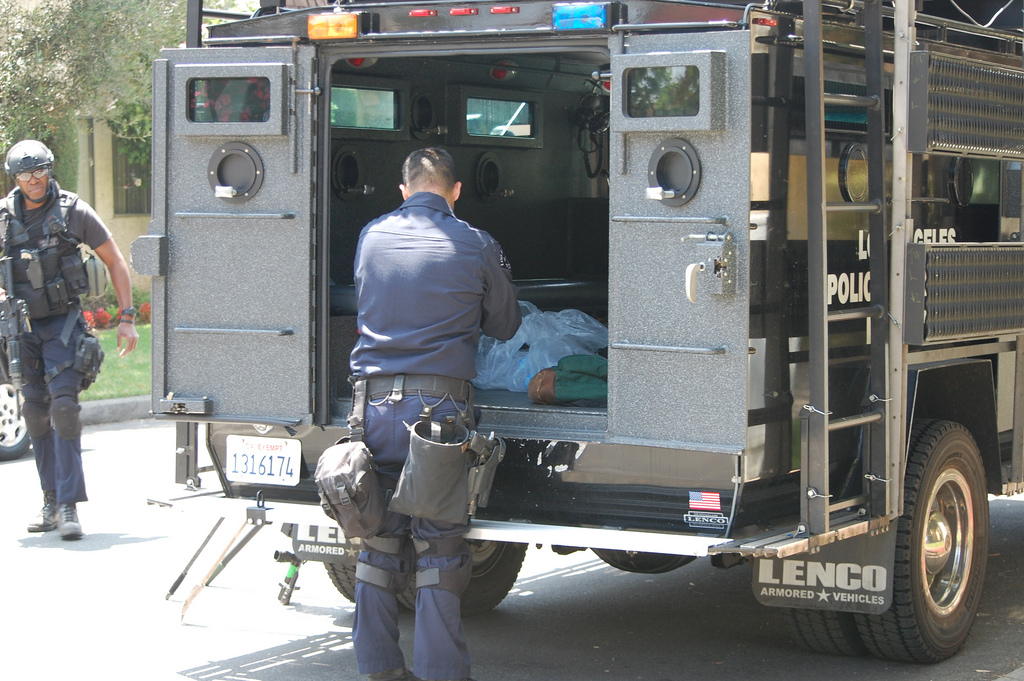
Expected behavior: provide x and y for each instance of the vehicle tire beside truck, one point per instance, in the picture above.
(14, 442)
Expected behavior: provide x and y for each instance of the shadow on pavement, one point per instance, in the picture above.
(326, 657)
(89, 542)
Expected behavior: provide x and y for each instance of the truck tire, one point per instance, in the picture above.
(825, 631)
(343, 576)
(644, 563)
(941, 549)
(14, 442)
(495, 568)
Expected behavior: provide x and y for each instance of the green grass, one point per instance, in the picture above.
(126, 376)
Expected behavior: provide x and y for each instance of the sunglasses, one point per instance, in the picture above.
(39, 174)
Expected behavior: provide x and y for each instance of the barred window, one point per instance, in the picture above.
(131, 177)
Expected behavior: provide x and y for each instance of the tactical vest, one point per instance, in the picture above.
(50, 279)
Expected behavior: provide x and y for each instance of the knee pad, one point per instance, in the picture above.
(37, 419)
(64, 411)
(392, 582)
(455, 580)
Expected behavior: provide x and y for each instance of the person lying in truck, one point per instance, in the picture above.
(427, 284)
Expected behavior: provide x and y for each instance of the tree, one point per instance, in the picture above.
(63, 59)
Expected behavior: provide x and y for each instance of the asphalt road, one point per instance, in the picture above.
(96, 608)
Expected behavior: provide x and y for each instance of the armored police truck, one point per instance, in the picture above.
(799, 221)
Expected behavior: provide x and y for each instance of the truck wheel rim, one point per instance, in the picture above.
(483, 553)
(11, 428)
(947, 542)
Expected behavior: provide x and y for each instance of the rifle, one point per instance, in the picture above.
(14, 321)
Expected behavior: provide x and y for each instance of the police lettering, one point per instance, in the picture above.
(846, 576)
(852, 287)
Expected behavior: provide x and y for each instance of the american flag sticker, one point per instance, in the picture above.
(706, 501)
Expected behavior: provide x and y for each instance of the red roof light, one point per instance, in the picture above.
(463, 11)
(504, 9)
(423, 12)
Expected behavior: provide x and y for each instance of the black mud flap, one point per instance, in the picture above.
(853, 575)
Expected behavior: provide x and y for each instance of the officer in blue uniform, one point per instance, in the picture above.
(43, 228)
(427, 283)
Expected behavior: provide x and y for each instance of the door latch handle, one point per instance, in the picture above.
(660, 193)
(691, 280)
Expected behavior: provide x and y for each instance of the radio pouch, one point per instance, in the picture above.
(350, 492)
(435, 479)
(88, 358)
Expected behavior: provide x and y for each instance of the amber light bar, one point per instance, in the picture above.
(333, 26)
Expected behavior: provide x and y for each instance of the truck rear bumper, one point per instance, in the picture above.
(529, 533)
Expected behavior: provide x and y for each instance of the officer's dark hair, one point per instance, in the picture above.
(429, 167)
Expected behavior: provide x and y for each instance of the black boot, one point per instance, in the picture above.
(70, 528)
(47, 518)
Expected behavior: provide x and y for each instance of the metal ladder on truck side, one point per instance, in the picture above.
(823, 520)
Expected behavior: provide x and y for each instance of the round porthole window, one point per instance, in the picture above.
(235, 172)
(961, 181)
(489, 178)
(673, 173)
(422, 113)
(853, 173)
(345, 174)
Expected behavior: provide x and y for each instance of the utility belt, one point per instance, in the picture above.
(446, 477)
(394, 388)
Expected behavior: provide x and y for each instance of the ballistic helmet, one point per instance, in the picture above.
(27, 155)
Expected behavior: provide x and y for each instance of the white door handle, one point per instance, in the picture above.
(691, 280)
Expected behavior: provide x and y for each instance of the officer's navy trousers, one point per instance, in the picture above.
(439, 645)
(58, 460)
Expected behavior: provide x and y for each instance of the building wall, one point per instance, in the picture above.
(96, 186)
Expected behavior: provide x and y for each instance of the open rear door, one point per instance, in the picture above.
(679, 250)
(231, 245)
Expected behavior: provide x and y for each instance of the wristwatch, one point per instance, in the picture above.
(129, 312)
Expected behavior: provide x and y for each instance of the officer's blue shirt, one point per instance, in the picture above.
(426, 284)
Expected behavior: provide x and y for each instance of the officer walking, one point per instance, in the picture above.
(426, 284)
(43, 227)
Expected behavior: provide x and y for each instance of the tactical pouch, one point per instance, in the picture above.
(57, 295)
(435, 479)
(88, 359)
(350, 492)
(73, 270)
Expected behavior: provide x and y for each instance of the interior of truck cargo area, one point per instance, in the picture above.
(528, 133)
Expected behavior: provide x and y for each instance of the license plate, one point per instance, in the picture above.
(264, 460)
